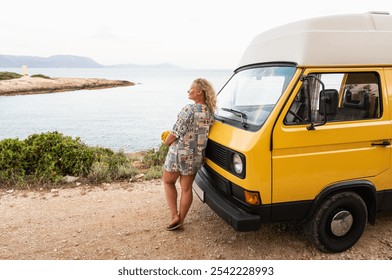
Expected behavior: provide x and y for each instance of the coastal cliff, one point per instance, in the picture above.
(30, 85)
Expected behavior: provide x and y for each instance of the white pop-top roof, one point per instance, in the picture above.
(357, 39)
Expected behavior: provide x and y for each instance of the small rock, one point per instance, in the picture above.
(10, 191)
(70, 179)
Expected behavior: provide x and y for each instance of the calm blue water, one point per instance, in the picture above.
(125, 118)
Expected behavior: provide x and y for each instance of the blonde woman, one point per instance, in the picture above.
(187, 141)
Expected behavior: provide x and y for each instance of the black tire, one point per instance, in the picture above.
(337, 223)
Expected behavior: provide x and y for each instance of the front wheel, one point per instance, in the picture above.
(338, 222)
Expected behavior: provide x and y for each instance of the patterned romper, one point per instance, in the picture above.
(186, 153)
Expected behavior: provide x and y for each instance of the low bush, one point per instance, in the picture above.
(109, 166)
(40, 76)
(48, 157)
(9, 76)
(12, 161)
(154, 172)
(99, 172)
(154, 159)
(51, 156)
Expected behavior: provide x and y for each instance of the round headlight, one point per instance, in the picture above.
(238, 166)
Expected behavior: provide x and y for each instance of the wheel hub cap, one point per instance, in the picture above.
(341, 223)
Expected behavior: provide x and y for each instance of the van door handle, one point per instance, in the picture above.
(383, 143)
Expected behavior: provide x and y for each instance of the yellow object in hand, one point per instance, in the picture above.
(164, 135)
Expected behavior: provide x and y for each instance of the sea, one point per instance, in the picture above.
(129, 119)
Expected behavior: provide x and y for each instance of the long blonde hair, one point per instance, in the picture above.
(209, 93)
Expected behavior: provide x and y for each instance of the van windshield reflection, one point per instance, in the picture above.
(251, 94)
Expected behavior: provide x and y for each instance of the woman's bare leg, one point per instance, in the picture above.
(186, 195)
(169, 182)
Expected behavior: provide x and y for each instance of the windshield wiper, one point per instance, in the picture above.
(240, 114)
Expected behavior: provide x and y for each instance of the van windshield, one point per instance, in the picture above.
(251, 94)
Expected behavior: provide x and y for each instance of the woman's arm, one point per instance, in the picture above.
(170, 139)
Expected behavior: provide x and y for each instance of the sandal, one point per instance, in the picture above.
(173, 226)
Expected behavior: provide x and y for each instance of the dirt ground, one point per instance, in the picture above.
(127, 220)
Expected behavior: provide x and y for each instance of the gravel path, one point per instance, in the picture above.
(127, 220)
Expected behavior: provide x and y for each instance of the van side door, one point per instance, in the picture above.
(353, 144)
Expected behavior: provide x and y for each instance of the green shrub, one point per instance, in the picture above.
(48, 157)
(99, 172)
(110, 166)
(40, 76)
(53, 155)
(12, 161)
(154, 172)
(156, 157)
(154, 160)
(9, 76)
(126, 171)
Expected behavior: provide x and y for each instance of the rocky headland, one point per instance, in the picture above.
(37, 85)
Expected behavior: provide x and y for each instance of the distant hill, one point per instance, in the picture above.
(56, 61)
(66, 61)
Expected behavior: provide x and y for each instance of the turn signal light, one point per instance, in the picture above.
(252, 198)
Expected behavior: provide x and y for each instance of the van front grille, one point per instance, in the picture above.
(218, 154)
(222, 156)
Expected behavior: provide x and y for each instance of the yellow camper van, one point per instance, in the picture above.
(303, 130)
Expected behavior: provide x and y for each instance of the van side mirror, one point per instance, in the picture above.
(329, 99)
(328, 102)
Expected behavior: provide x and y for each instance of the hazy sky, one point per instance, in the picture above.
(194, 34)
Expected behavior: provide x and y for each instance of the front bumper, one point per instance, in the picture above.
(228, 211)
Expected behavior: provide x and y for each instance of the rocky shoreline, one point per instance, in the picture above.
(36, 85)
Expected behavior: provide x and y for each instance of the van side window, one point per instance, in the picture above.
(359, 98)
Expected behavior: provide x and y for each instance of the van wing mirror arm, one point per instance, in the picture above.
(305, 80)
